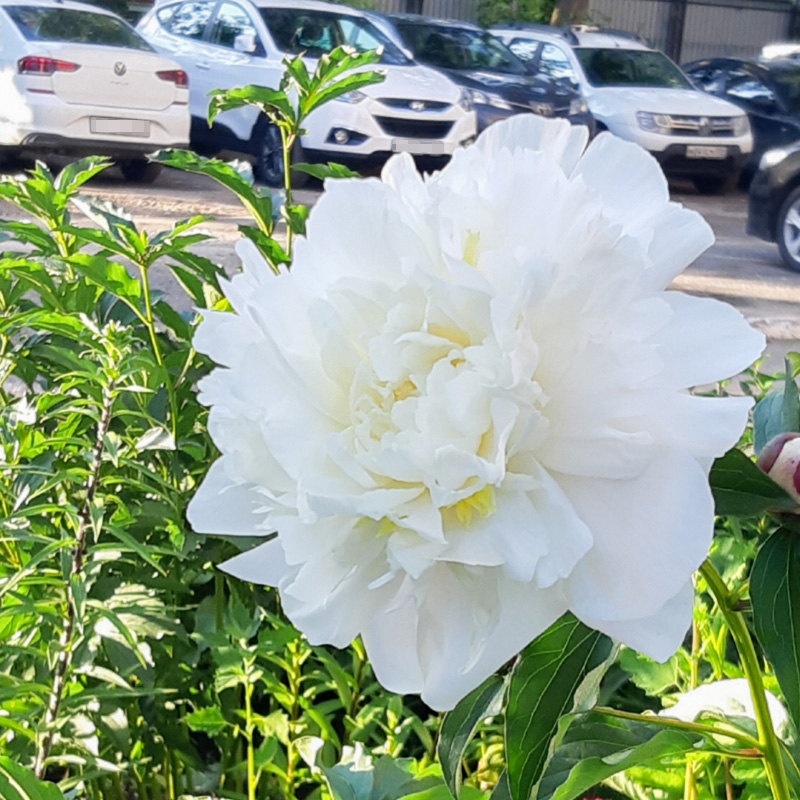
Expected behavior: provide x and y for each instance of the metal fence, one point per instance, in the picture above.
(706, 27)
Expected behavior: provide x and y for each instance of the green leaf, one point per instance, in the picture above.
(458, 727)
(778, 412)
(208, 720)
(740, 488)
(268, 101)
(258, 205)
(775, 595)
(113, 277)
(16, 783)
(597, 746)
(295, 216)
(544, 686)
(323, 171)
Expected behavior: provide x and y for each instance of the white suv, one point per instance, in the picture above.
(638, 94)
(227, 43)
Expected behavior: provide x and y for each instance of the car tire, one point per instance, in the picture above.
(787, 232)
(138, 170)
(715, 184)
(268, 166)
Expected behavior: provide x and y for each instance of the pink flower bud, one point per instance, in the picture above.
(780, 459)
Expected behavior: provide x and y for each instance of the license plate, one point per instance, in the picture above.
(418, 147)
(706, 151)
(121, 127)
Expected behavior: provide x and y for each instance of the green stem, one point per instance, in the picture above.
(251, 758)
(287, 142)
(679, 724)
(768, 741)
(151, 329)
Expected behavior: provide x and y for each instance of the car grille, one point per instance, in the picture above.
(701, 126)
(415, 128)
(415, 105)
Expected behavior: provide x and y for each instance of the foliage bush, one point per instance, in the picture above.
(131, 669)
(494, 12)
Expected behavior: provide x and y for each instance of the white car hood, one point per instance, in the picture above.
(615, 101)
(415, 83)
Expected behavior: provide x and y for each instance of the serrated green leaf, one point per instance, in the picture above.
(208, 720)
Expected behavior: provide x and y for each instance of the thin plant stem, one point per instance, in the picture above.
(678, 724)
(690, 783)
(149, 321)
(251, 760)
(768, 741)
(66, 638)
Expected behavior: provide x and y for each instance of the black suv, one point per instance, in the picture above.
(768, 90)
(499, 82)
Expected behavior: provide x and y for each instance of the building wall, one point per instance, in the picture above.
(711, 28)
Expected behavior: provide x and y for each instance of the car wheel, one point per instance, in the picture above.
(715, 184)
(138, 170)
(788, 230)
(269, 158)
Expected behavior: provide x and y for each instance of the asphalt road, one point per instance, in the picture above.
(741, 270)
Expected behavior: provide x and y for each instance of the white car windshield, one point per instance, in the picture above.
(47, 24)
(617, 67)
(298, 30)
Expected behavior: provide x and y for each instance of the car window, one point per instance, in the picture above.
(299, 30)
(749, 90)
(787, 86)
(46, 24)
(618, 67)
(165, 13)
(231, 21)
(190, 19)
(524, 49)
(555, 63)
(708, 78)
(450, 47)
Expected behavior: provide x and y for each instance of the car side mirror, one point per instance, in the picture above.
(245, 43)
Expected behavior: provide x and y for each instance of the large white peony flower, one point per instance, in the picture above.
(465, 410)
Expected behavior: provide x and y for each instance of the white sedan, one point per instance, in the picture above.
(77, 80)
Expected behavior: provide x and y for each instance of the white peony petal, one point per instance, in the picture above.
(562, 141)
(706, 341)
(460, 644)
(264, 565)
(657, 636)
(225, 507)
(650, 535)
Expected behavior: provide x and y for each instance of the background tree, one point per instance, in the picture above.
(492, 12)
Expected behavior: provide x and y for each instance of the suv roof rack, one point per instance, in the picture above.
(564, 33)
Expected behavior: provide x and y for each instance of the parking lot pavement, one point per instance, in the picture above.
(738, 269)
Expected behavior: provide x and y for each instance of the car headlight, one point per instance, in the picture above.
(489, 99)
(578, 106)
(772, 158)
(351, 97)
(741, 125)
(466, 100)
(656, 123)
